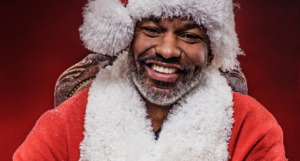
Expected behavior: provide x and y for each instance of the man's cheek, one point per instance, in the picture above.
(140, 68)
(139, 45)
(144, 45)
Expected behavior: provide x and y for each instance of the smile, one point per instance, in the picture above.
(162, 69)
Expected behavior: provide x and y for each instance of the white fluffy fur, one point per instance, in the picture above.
(117, 128)
(108, 26)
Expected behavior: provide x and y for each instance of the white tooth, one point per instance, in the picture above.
(170, 70)
(173, 70)
(166, 70)
(161, 69)
(152, 66)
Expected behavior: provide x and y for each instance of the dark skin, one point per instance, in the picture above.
(178, 39)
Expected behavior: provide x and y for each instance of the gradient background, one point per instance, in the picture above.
(39, 39)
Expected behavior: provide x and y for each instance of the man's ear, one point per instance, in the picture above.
(210, 58)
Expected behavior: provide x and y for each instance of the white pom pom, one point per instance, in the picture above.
(107, 27)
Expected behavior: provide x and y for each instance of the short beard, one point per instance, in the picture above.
(163, 97)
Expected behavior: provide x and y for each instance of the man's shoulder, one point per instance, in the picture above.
(75, 106)
(58, 132)
(246, 107)
(256, 133)
(251, 119)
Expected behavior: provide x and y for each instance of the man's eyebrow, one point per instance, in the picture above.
(154, 19)
(192, 25)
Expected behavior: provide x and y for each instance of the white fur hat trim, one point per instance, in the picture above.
(109, 26)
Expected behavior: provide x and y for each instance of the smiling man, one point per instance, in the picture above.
(170, 64)
(164, 99)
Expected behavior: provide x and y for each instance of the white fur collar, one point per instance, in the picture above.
(116, 125)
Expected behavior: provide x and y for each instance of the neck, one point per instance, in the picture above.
(157, 114)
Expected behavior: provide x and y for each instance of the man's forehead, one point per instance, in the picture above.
(162, 19)
(188, 23)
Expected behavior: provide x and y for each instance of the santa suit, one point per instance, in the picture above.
(108, 121)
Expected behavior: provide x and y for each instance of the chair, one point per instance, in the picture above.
(81, 75)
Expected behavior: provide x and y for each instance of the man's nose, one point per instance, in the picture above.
(168, 47)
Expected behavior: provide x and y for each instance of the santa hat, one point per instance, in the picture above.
(108, 25)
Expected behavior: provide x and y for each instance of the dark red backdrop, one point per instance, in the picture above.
(39, 39)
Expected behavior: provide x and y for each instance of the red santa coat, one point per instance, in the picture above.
(256, 134)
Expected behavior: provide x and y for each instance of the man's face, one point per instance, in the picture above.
(167, 57)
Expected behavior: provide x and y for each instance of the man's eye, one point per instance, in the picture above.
(190, 38)
(152, 32)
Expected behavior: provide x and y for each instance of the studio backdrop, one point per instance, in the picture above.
(39, 39)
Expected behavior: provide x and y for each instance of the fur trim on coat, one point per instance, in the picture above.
(117, 128)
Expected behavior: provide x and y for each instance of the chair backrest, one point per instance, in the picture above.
(81, 75)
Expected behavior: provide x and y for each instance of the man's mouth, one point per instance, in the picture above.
(163, 71)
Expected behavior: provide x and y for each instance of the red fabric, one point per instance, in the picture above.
(125, 2)
(256, 134)
(58, 133)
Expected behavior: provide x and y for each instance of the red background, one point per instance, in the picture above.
(39, 40)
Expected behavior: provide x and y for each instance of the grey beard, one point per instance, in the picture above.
(163, 97)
